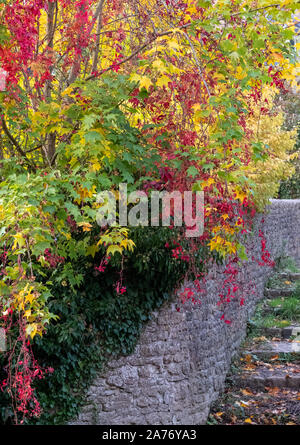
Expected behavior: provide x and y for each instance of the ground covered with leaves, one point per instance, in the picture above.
(263, 387)
(268, 406)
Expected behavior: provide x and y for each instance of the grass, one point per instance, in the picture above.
(277, 302)
(285, 308)
(286, 264)
(270, 321)
(289, 309)
(278, 312)
(282, 311)
(296, 293)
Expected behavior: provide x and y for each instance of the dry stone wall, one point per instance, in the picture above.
(182, 358)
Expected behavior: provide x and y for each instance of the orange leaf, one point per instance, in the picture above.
(248, 420)
(272, 390)
(246, 392)
(248, 358)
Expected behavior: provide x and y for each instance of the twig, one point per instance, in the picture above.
(16, 144)
(137, 51)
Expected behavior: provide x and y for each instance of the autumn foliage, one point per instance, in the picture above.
(163, 95)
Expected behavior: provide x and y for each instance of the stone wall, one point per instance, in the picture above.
(182, 358)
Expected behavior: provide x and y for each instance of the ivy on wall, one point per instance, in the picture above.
(96, 323)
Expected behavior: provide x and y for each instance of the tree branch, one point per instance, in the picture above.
(99, 25)
(275, 5)
(137, 51)
(16, 145)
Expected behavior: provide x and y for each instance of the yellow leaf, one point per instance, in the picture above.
(124, 243)
(219, 76)
(159, 65)
(240, 195)
(173, 44)
(113, 249)
(240, 74)
(192, 9)
(163, 81)
(19, 240)
(231, 248)
(91, 250)
(248, 420)
(225, 216)
(145, 82)
(196, 107)
(32, 329)
(95, 165)
(155, 49)
(86, 227)
(29, 298)
(207, 183)
(27, 313)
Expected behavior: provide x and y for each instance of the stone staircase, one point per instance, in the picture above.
(265, 379)
(275, 344)
(289, 277)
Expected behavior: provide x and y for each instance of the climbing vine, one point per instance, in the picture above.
(160, 95)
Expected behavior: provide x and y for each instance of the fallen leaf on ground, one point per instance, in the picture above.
(272, 390)
(249, 367)
(244, 404)
(246, 392)
(248, 420)
(259, 338)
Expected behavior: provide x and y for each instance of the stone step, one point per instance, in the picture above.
(284, 333)
(289, 276)
(269, 349)
(268, 375)
(279, 292)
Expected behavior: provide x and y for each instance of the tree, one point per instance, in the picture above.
(156, 94)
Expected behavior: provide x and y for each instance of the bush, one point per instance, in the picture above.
(95, 323)
(290, 189)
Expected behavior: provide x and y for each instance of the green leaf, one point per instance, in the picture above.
(88, 121)
(192, 171)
